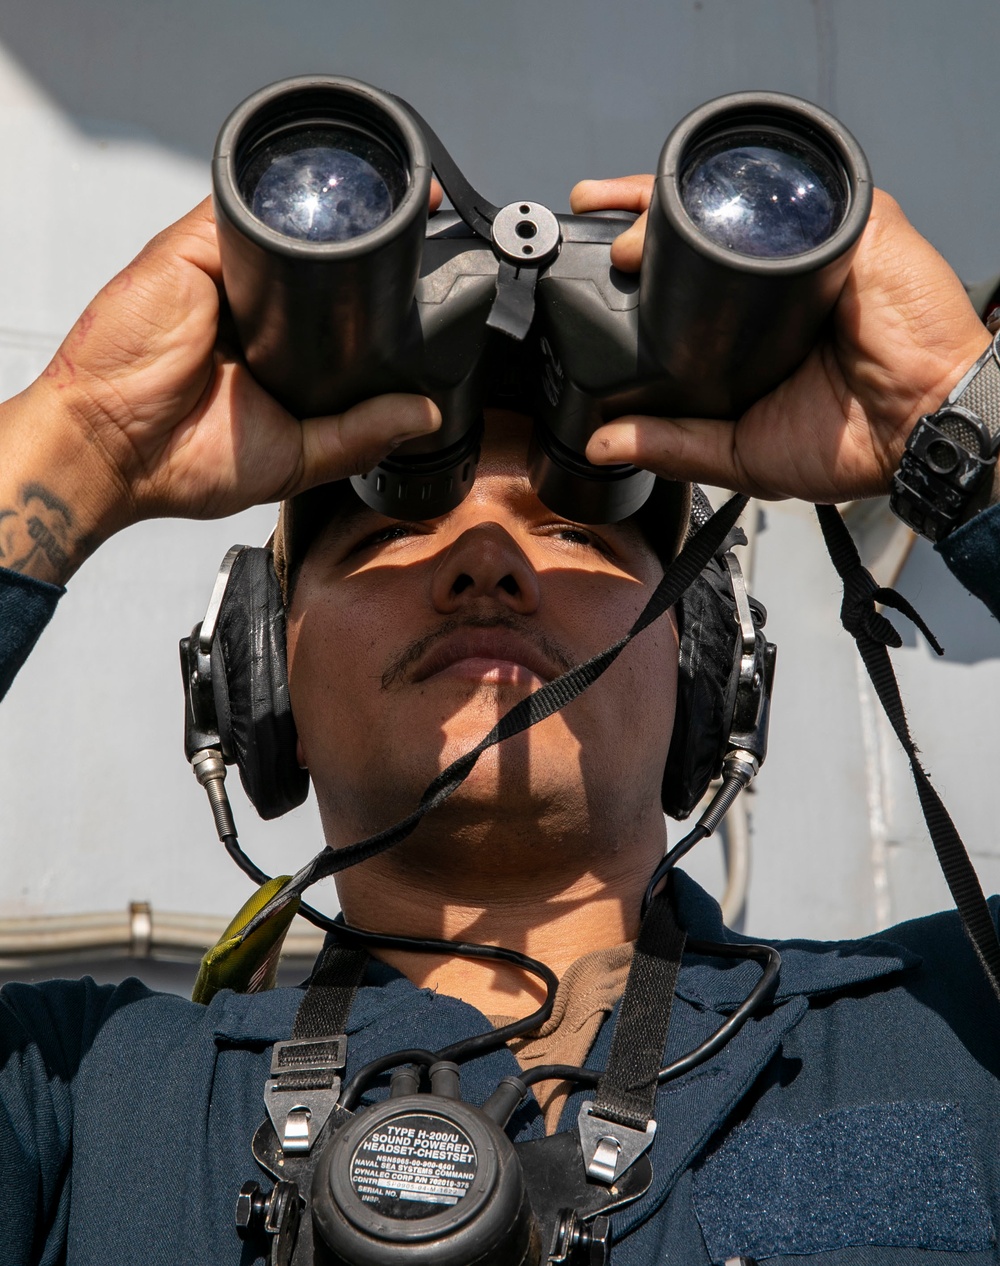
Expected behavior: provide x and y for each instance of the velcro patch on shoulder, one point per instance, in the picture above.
(893, 1175)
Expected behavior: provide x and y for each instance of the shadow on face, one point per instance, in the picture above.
(409, 640)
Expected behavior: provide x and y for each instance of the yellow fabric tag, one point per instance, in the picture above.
(250, 964)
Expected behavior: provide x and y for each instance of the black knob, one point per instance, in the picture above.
(582, 1243)
(251, 1210)
(593, 1243)
(276, 1215)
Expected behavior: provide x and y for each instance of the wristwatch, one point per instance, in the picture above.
(951, 453)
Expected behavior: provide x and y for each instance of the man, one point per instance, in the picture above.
(851, 1122)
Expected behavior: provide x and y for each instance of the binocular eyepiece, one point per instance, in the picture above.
(343, 287)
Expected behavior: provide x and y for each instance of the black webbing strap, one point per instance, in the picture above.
(627, 1089)
(330, 992)
(540, 704)
(317, 1048)
(513, 307)
(478, 212)
(874, 634)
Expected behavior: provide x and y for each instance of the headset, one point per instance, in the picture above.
(237, 697)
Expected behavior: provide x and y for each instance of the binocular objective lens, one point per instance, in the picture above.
(323, 187)
(766, 196)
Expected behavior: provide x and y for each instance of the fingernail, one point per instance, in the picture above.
(599, 451)
(606, 445)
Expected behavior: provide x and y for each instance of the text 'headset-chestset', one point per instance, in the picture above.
(342, 287)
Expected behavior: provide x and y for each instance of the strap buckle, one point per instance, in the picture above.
(303, 1089)
(609, 1149)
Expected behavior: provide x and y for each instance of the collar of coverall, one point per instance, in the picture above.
(808, 968)
(663, 519)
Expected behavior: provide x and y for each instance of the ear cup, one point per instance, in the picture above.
(708, 674)
(707, 677)
(250, 685)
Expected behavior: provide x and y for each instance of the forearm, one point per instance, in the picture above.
(59, 500)
(51, 486)
(972, 553)
(972, 548)
(54, 488)
(26, 606)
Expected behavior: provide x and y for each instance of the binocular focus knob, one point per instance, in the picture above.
(526, 233)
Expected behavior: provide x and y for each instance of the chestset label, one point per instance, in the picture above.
(413, 1166)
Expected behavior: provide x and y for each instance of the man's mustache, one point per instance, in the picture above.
(399, 668)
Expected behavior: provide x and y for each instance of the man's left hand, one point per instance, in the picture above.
(903, 333)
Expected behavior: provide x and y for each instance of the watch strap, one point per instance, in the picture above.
(950, 452)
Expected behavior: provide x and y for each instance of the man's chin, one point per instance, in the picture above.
(478, 706)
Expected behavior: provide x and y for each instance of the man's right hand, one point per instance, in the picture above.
(902, 334)
(142, 413)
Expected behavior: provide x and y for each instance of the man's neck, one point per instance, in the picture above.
(551, 916)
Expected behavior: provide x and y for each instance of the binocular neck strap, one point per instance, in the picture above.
(514, 305)
(478, 212)
(874, 634)
(539, 705)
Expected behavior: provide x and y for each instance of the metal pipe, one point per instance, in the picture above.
(49, 940)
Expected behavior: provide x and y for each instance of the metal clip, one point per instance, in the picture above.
(610, 1149)
(299, 1115)
(296, 1136)
(303, 1090)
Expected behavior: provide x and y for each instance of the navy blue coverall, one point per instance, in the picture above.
(853, 1123)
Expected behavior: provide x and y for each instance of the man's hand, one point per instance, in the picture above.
(902, 335)
(141, 413)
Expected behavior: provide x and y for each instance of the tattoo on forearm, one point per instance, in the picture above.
(41, 526)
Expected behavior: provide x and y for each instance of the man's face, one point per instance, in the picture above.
(407, 642)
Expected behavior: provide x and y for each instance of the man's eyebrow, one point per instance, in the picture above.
(348, 519)
(354, 514)
(348, 515)
(521, 486)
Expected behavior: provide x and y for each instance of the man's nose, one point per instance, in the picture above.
(485, 562)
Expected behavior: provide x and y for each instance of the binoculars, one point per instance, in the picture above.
(342, 286)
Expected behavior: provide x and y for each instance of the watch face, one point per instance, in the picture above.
(938, 475)
(943, 455)
(964, 429)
